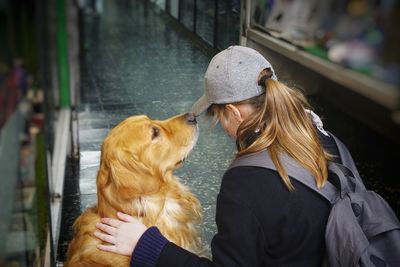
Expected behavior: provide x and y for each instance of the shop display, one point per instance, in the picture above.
(21, 122)
(358, 34)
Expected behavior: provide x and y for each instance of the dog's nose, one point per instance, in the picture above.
(191, 118)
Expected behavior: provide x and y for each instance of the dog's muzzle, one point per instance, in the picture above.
(191, 118)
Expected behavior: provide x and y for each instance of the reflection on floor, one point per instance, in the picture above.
(136, 64)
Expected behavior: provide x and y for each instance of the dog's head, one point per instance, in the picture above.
(140, 153)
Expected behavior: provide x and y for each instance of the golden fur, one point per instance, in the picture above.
(138, 158)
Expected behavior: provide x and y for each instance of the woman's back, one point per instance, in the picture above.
(288, 227)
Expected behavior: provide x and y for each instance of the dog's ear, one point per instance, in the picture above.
(131, 178)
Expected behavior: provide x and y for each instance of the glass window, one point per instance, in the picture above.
(205, 20)
(23, 216)
(174, 8)
(160, 3)
(228, 29)
(360, 35)
(187, 16)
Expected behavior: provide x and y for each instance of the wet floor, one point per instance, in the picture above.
(136, 63)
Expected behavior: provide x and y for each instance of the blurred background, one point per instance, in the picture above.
(72, 70)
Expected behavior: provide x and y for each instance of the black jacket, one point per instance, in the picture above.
(261, 223)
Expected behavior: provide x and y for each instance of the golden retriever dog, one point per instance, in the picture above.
(138, 158)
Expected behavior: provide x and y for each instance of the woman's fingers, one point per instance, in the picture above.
(111, 222)
(106, 228)
(122, 234)
(105, 237)
(125, 217)
(107, 248)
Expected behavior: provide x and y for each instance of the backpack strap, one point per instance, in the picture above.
(347, 183)
(348, 162)
(293, 169)
(349, 178)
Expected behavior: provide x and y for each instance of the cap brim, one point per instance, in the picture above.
(200, 105)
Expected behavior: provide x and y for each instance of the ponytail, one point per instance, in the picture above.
(281, 124)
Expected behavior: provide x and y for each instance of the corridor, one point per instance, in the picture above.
(136, 63)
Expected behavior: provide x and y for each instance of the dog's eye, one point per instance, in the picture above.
(156, 133)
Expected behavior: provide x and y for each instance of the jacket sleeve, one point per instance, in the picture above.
(148, 248)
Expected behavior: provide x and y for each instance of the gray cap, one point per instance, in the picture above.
(231, 77)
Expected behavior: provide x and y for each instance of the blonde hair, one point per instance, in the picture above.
(280, 124)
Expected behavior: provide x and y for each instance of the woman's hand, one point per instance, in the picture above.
(122, 234)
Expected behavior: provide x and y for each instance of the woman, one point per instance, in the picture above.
(264, 217)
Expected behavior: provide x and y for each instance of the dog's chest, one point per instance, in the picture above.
(154, 209)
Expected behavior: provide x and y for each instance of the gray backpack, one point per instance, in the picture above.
(362, 229)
